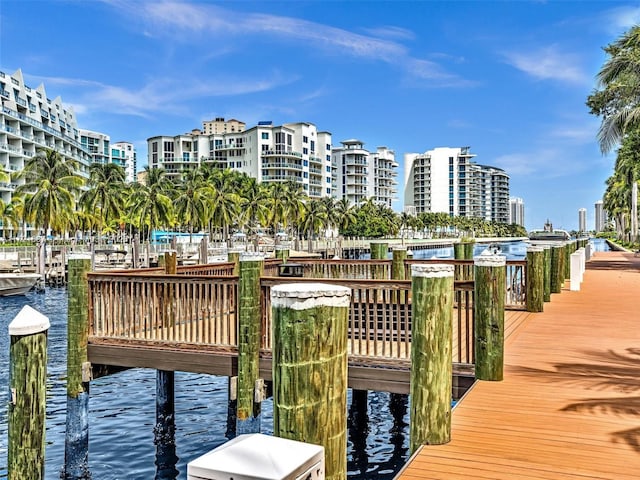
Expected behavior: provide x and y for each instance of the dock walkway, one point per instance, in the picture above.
(569, 405)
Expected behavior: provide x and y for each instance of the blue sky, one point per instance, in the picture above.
(508, 79)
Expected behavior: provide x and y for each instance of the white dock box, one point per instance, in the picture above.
(259, 457)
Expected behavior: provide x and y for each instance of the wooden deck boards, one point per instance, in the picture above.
(569, 406)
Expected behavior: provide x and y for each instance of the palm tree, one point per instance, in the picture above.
(345, 213)
(150, 202)
(314, 219)
(50, 186)
(191, 200)
(223, 199)
(105, 198)
(618, 99)
(253, 204)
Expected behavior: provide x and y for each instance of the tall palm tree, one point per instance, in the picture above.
(50, 186)
(618, 99)
(253, 204)
(150, 201)
(106, 195)
(345, 213)
(223, 200)
(314, 219)
(191, 204)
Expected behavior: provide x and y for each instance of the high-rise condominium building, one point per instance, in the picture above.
(516, 211)
(582, 220)
(102, 151)
(29, 122)
(295, 152)
(600, 216)
(124, 154)
(220, 125)
(448, 180)
(360, 174)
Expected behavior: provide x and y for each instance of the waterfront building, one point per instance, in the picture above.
(220, 125)
(600, 217)
(360, 174)
(124, 154)
(295, 152)
(447, 180)
(582, 220)
(30, 121)
(516, 211)
(98, 145)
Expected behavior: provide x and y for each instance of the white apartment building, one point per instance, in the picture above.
(516, 211)
(124, 154)
(582, 220)
(360, 174)
(447, 180)
(220, 125)
(29, 122)
(295, 152)
(103, 152)
(600, 217)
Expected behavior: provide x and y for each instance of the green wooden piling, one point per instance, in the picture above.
(27, 403)
(310, 368)
(76, 448)
(535, 279)
(165, 427)
(463, 251)
(234, 256)
(379, 250)
(547, 273)
(282, 253)
(488, 314)
(249, 335)
(556, 269)
(431, 345)
(398, 271)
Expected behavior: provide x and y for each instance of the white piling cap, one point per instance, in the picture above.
(80, 256)
(399, 248)
(490, 260)
(535, 248)
(432, 270)
(303, 296)
(28, 322)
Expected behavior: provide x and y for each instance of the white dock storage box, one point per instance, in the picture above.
(259, 457)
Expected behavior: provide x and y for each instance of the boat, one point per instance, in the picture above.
(549, 234)
(17, 283)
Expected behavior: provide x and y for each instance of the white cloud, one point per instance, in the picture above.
(391, 32)
(549, 63)
(622, 18)
(187, 22)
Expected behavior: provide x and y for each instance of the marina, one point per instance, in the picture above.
(394, 420)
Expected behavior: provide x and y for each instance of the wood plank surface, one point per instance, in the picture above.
(569, 406)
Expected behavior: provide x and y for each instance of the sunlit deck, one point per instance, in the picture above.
(568, 407)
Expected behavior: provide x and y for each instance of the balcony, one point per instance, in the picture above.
(282, 178)
(282, 165)
(21, 101)
(281, 153)
(5, 94)
(44, 114)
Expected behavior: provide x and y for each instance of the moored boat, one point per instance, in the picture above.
(549, 234)
(17, 283)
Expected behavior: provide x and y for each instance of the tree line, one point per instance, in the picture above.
(53, 198)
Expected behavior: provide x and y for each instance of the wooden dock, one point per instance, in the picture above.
(569, 405)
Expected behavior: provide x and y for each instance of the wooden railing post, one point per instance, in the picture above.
(249, 339)
(76, 446)
(27, 404)
(310, 368)
(431, 344)
(535, 279)
(488, 314)
(463, 251)
(398, 271)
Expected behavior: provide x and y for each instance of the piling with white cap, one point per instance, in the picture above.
(488, 315)
(27, 405)
(310, 368)
(534, 277)
(431, 345)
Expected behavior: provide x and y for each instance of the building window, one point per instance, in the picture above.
(305, 139)
(305, 151)
(313, 146)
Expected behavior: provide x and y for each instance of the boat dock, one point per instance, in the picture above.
(568, 407)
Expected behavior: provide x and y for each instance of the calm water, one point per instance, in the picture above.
(122, 413)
